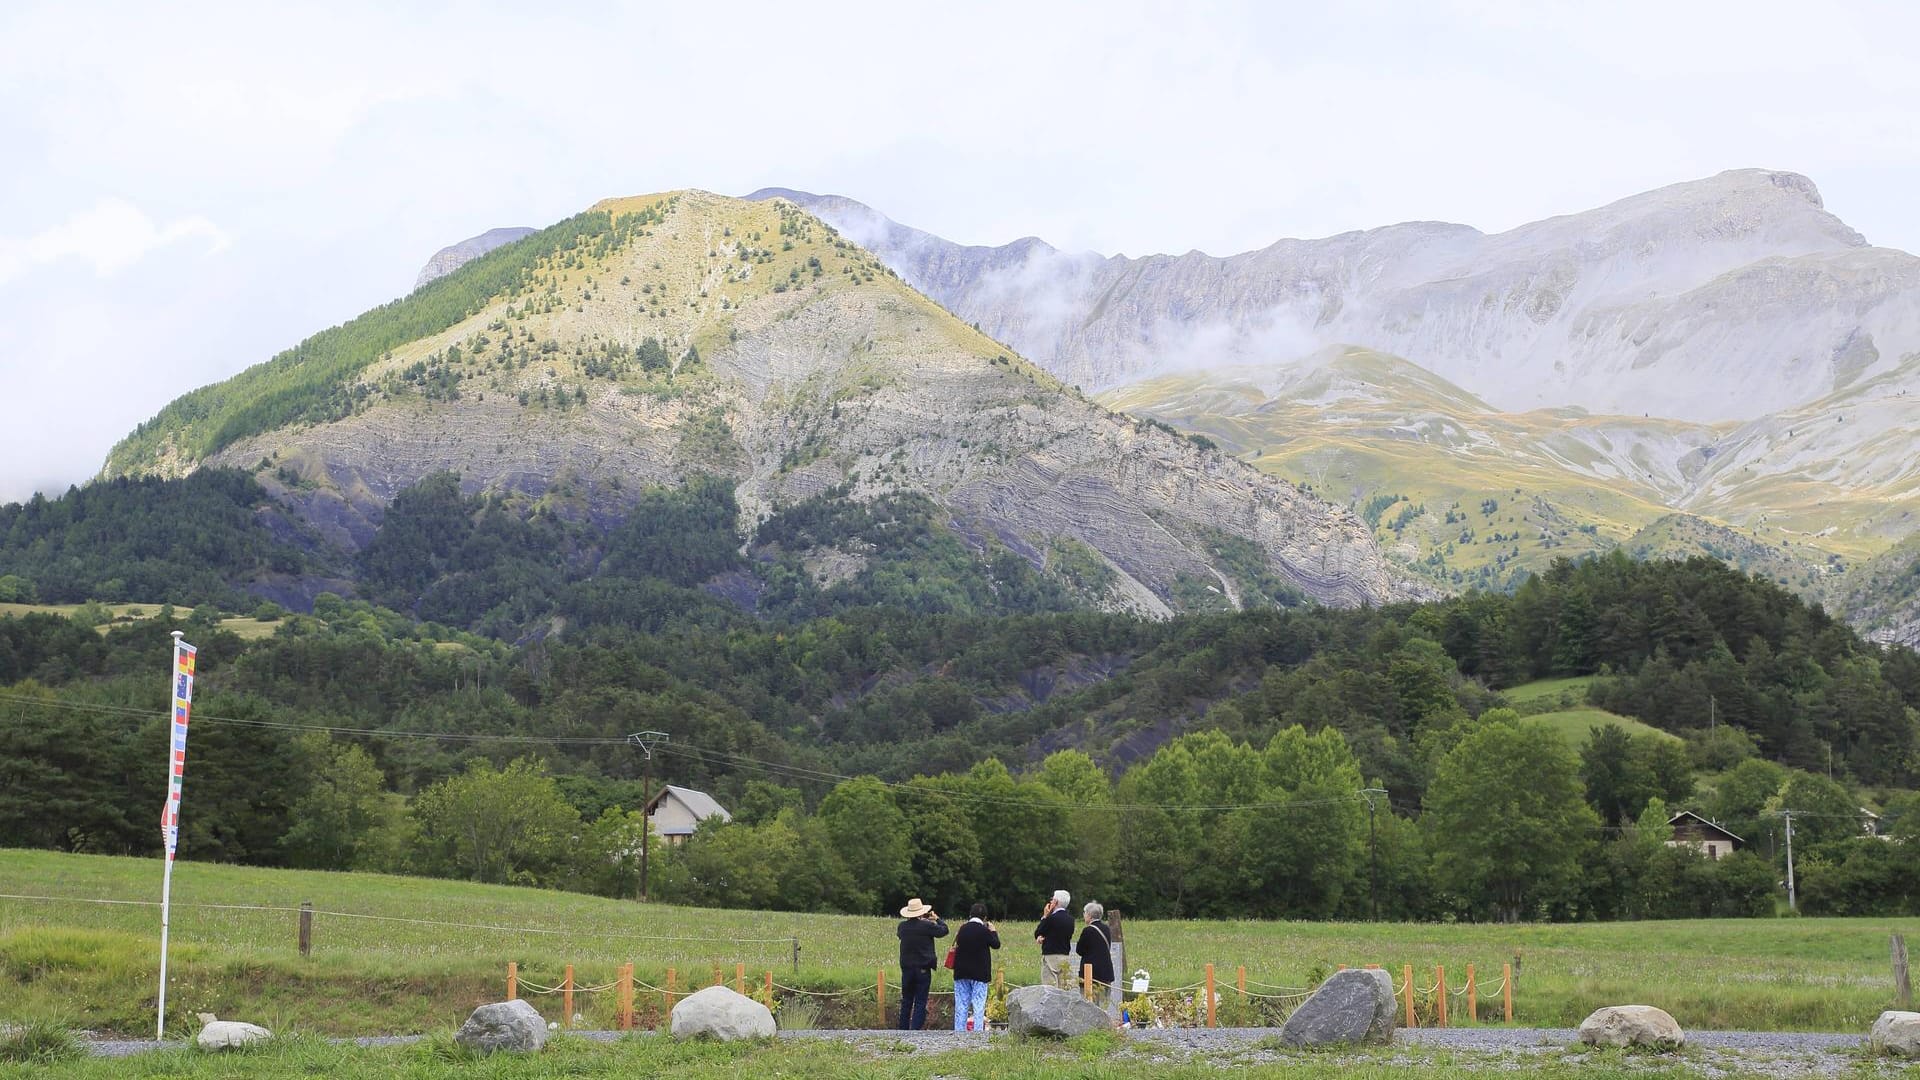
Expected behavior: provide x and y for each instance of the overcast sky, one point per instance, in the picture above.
(188, 190)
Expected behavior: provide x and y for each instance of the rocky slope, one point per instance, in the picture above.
(689, 333)
(454, 256)
(1722, 299)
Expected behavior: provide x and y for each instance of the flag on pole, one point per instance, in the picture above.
(183, 654)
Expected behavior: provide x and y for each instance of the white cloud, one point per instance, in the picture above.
(111, 236)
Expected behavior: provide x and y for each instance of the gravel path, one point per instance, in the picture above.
(1786, 1055)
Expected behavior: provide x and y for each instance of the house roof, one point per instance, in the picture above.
(1714, 825)
(698, 803)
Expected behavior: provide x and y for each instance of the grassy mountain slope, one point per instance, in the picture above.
(655, 339)
(1469, 495)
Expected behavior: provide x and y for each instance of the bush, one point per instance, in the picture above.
(39, 1042)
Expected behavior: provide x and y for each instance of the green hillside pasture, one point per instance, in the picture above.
(1574, 725)
(94, 965)
(1549, 695)
(246, 626)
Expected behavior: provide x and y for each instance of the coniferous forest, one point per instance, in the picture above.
(945, 721)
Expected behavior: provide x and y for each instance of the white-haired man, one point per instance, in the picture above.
(1054, 935)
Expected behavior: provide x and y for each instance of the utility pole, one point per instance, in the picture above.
(1373, 858)
(1791, 898)
(646, 740)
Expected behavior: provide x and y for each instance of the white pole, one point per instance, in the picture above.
(166, 879)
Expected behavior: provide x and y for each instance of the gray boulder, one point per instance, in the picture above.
(1896, 1033)
(720, 1013)
(226, 1034)
(1641, 1026)
(1051, 1012)
(1354, 1006)
(505, 1025)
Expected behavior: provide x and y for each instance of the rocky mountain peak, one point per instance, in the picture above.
(454, 256)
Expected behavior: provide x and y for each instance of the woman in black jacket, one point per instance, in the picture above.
(1096, 947)
(973, 969)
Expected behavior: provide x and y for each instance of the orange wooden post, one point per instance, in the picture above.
(566, 998)
(513, 980)
(1086, 981)
(1440, 992)
(740, 979)
(1373, 967)
(626, 997)
(880, 994)
(1342, 967)
(769, 989)
(1001, 978)
(1473, 998)
(1406, 972)
(1506, 991)
(718, 978)
(1210, 1017)
(1243, 980)
(669, 991)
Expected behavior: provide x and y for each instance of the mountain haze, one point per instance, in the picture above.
(652, 340)
(454, 256)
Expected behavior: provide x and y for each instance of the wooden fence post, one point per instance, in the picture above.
(880, 994)
(1902, 983)
(306, 928)
(718, 978)
(1506, 991)
(1406, 973)
(626, 997)
(1440, 993)
(513, 980)
(669, 991)
(1473, 998)
(1210, 1017)
(566, 998)
(769, 989)
(1342, 967)
(740, 979)
(1242, 980)
(1086, 981)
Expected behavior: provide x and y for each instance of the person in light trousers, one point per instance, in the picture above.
(973, 947)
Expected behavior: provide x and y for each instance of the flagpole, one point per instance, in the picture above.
(168, 821)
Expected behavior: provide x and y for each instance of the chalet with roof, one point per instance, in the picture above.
(676, 811)
(1706, 837)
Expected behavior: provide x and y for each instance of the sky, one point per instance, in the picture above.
(188, 189)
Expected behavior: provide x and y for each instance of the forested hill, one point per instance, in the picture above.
(508, 635)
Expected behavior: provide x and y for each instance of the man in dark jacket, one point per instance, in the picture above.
(973, 969)
(1055, 937)
(919, 926)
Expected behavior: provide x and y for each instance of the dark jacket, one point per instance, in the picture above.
(916, 942)
(1093, 949)
(971, 958)
(1055, 933)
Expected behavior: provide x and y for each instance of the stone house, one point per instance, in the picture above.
(1706, 837)
(676, 811)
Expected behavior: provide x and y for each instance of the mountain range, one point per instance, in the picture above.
(1720, 366)
(654, 340)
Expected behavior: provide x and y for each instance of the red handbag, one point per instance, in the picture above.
(951, 949)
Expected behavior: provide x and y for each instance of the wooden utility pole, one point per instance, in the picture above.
(646, 741)
(306, 928)
(1373, 858)
(1902, 984)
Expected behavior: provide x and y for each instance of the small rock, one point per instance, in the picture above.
(1354, 1006)
(1896, 1033)
(1640, 1026)
(504, 1025)
(720, 1013)
(224, 1034)
(1051, 1012)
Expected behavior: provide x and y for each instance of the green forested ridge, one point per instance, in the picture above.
(185, 542)
(1009, 742)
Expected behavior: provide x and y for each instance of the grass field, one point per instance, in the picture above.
(95, 964)
(245, 626)
(1561, 705)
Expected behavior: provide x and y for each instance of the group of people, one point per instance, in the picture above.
(971, 956)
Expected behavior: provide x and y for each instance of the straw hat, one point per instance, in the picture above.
(914, 909)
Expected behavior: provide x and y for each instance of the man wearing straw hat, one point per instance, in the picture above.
(919, 926)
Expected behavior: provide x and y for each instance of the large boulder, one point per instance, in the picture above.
(1896, 1033)
(504, 1025)
(1354, 1006)
(226, 1034)
(720, 1013)
(1051, 1012)
(1640, 1026)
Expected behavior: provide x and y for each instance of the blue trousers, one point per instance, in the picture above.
(969, 998)
(914, 984)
